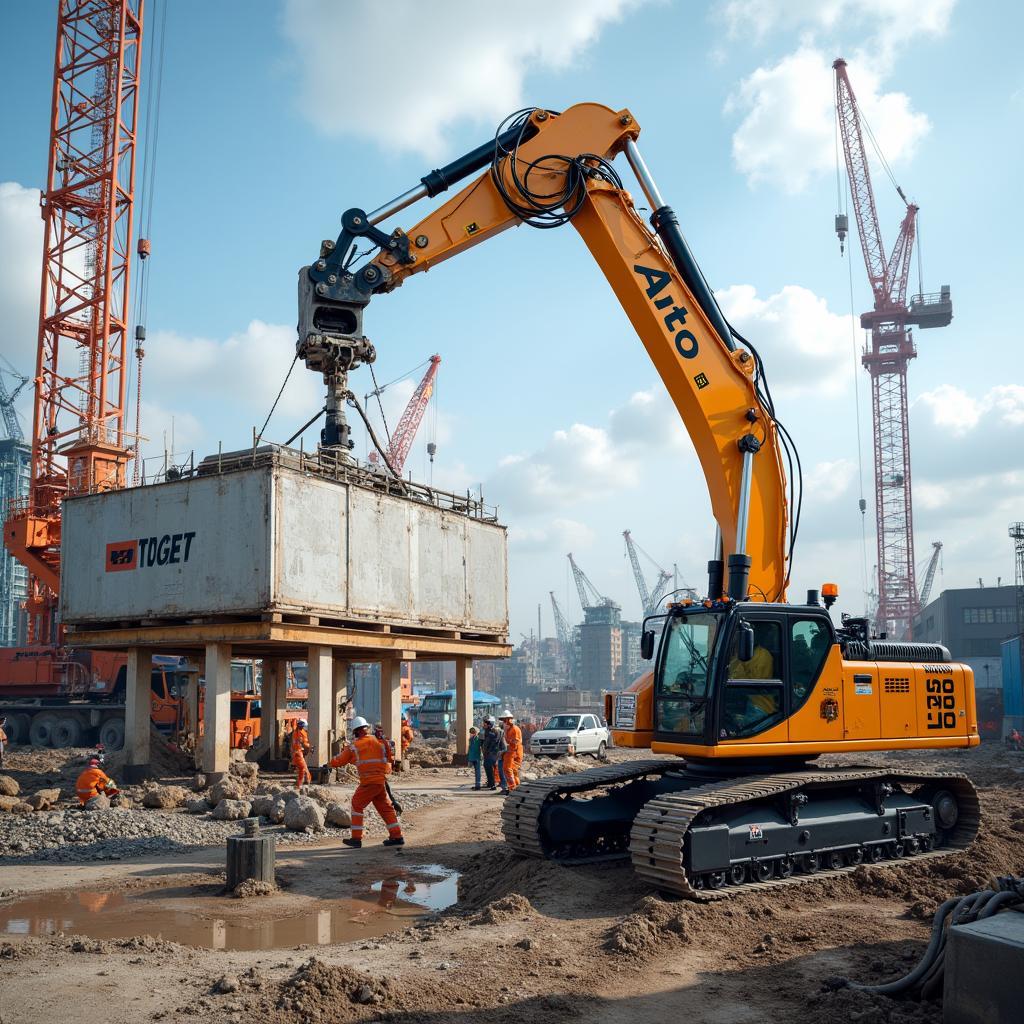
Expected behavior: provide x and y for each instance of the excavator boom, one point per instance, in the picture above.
(556, 168)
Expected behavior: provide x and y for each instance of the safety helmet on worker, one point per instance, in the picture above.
(303, 724)
(489, 720)
(94, 762)
(359, 723)
(506, 714)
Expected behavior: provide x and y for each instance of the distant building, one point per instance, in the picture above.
(568, 700)
(601, 648)
(972, 623)
(15, 462)
(632, 664)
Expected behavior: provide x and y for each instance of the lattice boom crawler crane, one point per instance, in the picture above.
(747, 688)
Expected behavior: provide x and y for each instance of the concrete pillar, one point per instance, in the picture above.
(339, 696)
(391, 701)
(318, 704)
(137, 712)
(217, 712)
(273, 693)
(463, 705)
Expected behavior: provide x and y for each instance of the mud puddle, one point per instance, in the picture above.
(195, 916)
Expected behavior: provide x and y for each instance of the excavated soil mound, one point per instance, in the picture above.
(431, 754)
(865, 1008)
(166, 761)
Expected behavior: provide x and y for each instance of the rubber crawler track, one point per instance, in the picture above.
(659, 829)
(521, 811)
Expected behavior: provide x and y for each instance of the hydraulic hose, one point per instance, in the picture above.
(925, 980)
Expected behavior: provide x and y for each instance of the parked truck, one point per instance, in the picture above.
(59, 697)
(62, 697)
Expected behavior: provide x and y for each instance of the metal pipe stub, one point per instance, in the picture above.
(250, 855)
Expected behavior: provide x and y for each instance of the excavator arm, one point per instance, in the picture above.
(549, 168)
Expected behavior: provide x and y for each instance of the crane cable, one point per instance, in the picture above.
(843, 197)
(149, 163)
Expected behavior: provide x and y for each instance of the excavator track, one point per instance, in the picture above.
(657, 840)
(522, 810)
(660, 829)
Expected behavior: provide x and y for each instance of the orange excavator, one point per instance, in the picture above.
(747, 688)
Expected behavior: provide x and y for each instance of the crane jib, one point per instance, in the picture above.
(686, 343)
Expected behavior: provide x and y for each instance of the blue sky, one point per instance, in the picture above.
(278, 116)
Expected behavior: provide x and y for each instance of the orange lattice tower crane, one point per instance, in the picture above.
(412, 416)
(79, 442)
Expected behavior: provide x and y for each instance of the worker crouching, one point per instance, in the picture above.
(372, 758)
(94, 782)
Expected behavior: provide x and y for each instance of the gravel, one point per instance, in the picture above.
(66, 836)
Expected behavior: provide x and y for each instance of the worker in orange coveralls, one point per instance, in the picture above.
(94, 781)
(372, 758)
(513, 757)
(407, 736)
(300, 748)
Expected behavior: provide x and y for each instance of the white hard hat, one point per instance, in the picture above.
(489, 720)
(359, 723)
(303, 723)
(506, 714)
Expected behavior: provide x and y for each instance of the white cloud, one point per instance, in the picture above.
(954, 411)
(21, 242)
(425, 66)
(559, 535)
(787, 135)
(244, 371)
(575, 465)
(888, 22)
(829, 480)
(805, 346)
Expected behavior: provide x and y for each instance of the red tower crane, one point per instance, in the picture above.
(405, 432)
(79, 442)
(886, 358)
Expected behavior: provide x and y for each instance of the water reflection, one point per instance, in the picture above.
(375, 908)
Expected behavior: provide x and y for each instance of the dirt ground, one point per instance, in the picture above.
(527, 941)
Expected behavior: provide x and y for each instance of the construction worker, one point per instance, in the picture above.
(300, 748)
(475, 758)
(94, 781)
(378, 731)
(407, 736)
(372, 758)
(513, 756)
(3, 738)
(492, 743)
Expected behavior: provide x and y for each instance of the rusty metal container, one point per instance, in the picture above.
(273, 530)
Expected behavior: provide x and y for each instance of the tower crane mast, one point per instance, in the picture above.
(79, 444)
(886, 359)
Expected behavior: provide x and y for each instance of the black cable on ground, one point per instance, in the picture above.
(925, 980)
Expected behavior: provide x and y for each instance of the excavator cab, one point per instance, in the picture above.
(728, 673)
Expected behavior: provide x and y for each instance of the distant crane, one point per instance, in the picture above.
(405, 432)
(886, 360)
(590, 596)
(929, 574)
(7, 400)
(650, 599)
(562, 630)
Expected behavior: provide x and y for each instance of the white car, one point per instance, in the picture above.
(571, 734)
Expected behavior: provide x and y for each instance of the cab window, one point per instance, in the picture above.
(810, 640)
(682, 685)
(156, 683)
(754, 694)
